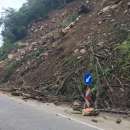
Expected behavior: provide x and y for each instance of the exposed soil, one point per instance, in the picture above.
(55, 75)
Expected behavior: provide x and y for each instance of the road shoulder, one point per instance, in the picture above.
(101, 122)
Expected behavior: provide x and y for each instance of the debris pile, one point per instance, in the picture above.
(50, 64)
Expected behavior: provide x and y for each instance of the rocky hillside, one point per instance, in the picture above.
(50, 62)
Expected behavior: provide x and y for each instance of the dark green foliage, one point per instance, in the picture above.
(5, 49)
(123, 60)
(16, 22)
(9, 70)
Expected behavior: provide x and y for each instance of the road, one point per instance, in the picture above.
(19, 116)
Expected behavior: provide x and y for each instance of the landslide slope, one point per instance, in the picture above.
(50, 62)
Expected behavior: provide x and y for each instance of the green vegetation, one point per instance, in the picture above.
(124, 48)
(9, 70)
(123, 60)
(5, 49)
(15, 23)
(72, 62)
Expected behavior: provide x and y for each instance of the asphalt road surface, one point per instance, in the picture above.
(18, 116)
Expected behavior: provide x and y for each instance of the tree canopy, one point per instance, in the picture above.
(15, 23)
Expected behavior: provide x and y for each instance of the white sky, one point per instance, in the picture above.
(16, 4)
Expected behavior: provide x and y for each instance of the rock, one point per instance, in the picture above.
(29, 63)
(34, 43)
(76, 51)
(78, 18)
(100, 22)
(126, 11)
(118, 121)
(94, 120)
(82, 51)
(100, 44)
(35, 49)
(76, 103)
(79, 57)
(87, 1)
(104, 34)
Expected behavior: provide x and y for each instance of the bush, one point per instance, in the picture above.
(123, 58)
(6, 49)
(9, 70)
(16, 22)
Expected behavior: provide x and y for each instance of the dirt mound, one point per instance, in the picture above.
(51, 64)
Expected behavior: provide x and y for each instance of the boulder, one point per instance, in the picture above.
(82, 51)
